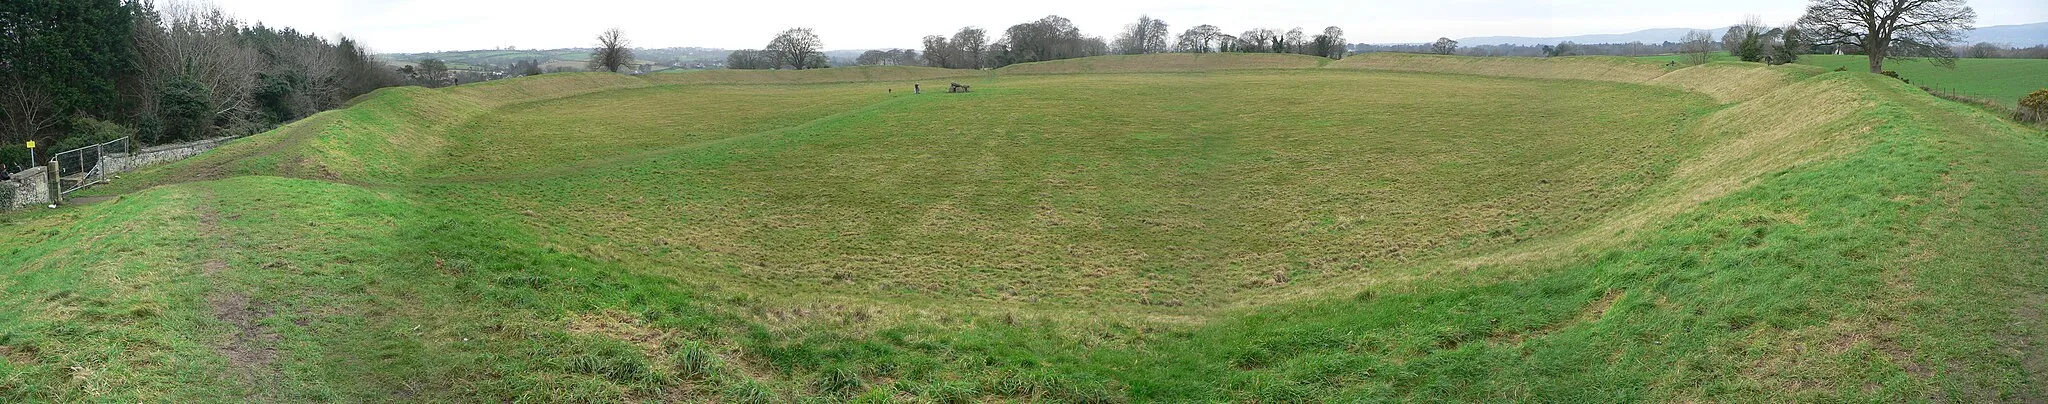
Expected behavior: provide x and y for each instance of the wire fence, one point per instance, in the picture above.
(1993, 106)
(86, 166)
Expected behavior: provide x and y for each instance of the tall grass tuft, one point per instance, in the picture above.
(840, 381)
(748, 391)
(695, 362)
(616, 363)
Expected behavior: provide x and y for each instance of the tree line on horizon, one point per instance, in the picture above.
(1049, 38)
(1890, 29)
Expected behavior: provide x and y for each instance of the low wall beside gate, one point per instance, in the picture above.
(28, 188)
(31, 187)
(121, 163)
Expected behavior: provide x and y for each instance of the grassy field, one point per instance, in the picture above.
(1998, 80)
(1383, 228)
(1154, 202)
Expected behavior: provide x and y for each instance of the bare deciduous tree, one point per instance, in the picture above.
(1148, 35)
(1294, 41)
(1444, 46)
(971, 48)
(612, 52)
(25, 110)
(1257, 41)
(1050, 38)
(938, 52)
(1738, 34)
(1750, 40)
(1791, 42)
(1200, 39)
(1890, 29)
(888, 57)
(749, 59)
(1984, 50)
(1697, 47)
(201, 43)
(1331, 43)
(433, 73)
(798, 48)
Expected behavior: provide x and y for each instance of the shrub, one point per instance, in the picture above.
(2034, 107)
(87, 131)
(14, 157)
(275, 97)
(186, 108)
(1895, 75)
(1842, 69)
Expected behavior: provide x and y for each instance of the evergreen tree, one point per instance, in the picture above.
(68, 54)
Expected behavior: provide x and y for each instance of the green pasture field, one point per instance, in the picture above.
(1154, 189)
(2002, 81)
(1399, 229)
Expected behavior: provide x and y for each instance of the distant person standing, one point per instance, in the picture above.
(917, 88)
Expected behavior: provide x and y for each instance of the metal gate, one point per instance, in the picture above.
(86, 166)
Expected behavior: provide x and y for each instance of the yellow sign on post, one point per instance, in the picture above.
(31, 144)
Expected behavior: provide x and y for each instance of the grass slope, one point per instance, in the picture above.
(1998, 80)
(897, 74)
(1151, 203)
(1269, 235)
(1597, 68)
(1170, 62)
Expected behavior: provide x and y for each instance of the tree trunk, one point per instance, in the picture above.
(1875, 49)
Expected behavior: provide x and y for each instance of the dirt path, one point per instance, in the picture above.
(251, 352)
(222, 162)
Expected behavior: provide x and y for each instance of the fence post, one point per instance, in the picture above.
(100, 166)
(56, 184)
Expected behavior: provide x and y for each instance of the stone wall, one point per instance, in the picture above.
(120, 163)
(28, 188)
(31, 187)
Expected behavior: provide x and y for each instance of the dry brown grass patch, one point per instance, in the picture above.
(621, 326)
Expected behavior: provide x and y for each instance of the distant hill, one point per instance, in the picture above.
(1659, 35)
(2024, 35)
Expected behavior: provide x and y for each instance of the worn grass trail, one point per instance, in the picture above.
(1607, 232)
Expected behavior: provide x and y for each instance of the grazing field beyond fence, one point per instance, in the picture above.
(2000, 80)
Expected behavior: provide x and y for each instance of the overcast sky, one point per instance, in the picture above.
(436, 25)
